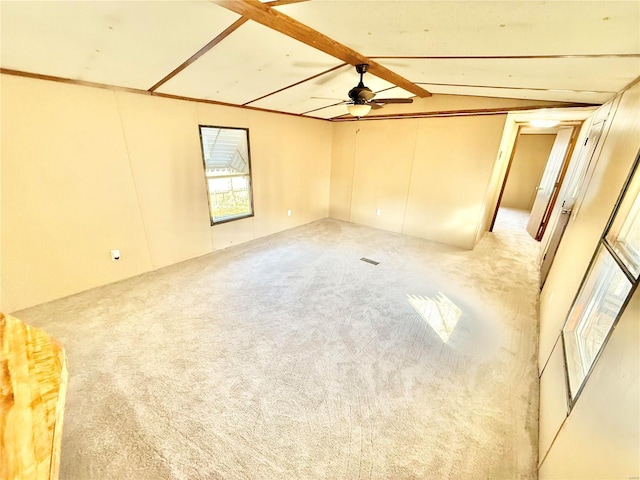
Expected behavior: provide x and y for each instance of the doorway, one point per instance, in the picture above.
(549, 187)
(527, 167)
(534, 174)
(552, 216)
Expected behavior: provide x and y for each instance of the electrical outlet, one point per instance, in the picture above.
(379, 212)
(288, 213)
(115, 255)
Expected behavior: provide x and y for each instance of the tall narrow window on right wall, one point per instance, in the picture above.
(606, 287)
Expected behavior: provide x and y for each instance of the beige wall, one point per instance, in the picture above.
(343, 155)
(437, 178)
(86, 170)
(453, 164)
(600, 438)
(292, 167)
(165, 161)
(529, 159)
(68, 195)
(427, 176)
(613, 157)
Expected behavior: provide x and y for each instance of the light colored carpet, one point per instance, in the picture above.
(288, 357)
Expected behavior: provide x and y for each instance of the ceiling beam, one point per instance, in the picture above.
(269, 17)
(277, 3)
(228, 31)
(296, 84)
(84, 83)
(464, 113)
(506, 87)
(505, 57)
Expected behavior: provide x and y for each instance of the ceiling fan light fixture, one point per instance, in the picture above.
(358, 109)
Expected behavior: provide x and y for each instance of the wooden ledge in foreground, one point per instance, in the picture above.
(33, 383)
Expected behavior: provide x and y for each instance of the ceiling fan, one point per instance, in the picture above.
(362, 97)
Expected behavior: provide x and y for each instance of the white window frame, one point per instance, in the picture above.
(606, 246)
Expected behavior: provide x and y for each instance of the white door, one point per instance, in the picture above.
(549, 183)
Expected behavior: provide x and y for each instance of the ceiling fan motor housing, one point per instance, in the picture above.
(362, 68)
(361, 94)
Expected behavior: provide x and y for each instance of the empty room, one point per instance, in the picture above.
(320, 239)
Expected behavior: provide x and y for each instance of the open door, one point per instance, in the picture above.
(574, 185)
(549, 186)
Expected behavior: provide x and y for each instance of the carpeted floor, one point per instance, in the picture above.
(290, 358)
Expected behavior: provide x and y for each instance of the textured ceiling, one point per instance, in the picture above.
(569, 51)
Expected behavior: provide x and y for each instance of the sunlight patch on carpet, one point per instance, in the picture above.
(439, 312)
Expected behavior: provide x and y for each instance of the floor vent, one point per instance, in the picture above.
(368, 260)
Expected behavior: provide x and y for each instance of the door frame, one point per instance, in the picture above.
(506, 175)
(576, 123)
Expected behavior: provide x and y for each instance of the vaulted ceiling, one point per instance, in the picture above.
(297, 56)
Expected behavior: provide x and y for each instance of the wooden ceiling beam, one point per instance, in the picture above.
(463, 113)
(277, 3)
(227, 31)
(269, 17)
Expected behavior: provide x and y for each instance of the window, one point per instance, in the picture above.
(606, 288)
(626, 242)
(227, 167)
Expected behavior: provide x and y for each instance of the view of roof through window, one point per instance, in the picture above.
(225, 151)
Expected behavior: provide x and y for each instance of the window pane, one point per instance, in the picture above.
(229, 197)
(225, 150)
(592, 316)
(228, 172)
(627, 243)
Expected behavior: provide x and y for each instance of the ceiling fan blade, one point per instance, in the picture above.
(360, 93)
(375, 105)
(393, 100)
(366, 94)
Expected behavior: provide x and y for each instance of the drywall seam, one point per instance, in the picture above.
(413, 161)
(549, 357)
(133, 178)
(353, 173)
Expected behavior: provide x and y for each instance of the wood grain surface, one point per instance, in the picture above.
(33, 380)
